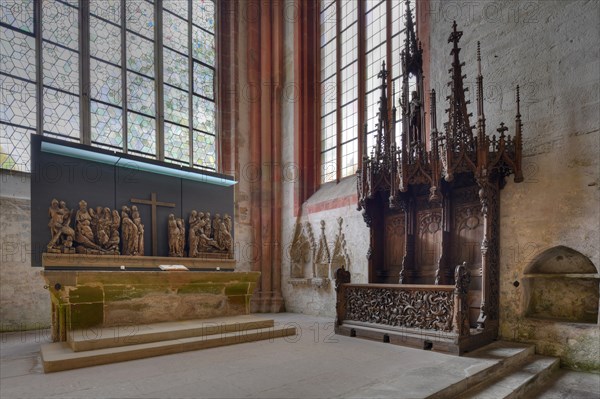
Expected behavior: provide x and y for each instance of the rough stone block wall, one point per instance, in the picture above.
(24, 303)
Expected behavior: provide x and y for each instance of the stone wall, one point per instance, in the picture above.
(24, 303)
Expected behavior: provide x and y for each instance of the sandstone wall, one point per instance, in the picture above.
(24, 303)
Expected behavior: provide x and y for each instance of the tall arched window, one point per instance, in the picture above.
(356, 37)
(134, 76)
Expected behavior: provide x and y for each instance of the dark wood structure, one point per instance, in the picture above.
(430, 208)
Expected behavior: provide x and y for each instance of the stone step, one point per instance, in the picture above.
(503, 356)
(111, 337)
(59, 356)
(517, 383)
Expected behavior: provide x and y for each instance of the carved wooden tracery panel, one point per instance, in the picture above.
(401, 308)
(394, 244)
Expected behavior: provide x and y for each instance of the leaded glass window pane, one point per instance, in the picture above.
(140, 94)
(60, 23)
(204, 115)
(140, 54)
(177, 139)
(176, 106)
(204, 14)
(106, 82)
(176, 69)
(14, 148)
(204, 150)
(17, 52)
(61, 68)
(105, 41)
(177, 7)
(204, 80)
(61, 113)
(17, 13)
(17, 102)
(140, 18)
(175, 32)
(203, 46)
(141, 134)
(107, 124)
(107, 9)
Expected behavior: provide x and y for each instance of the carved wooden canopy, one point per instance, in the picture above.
(430, 208)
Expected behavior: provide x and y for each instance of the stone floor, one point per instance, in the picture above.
(313, 364)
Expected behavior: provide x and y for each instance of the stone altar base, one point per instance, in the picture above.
(101, 317)
(96, 346)
(94, 299)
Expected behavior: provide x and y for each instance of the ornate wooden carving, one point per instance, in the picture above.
(427, 309)
(438, 189)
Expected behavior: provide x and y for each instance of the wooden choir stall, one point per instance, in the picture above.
(433, 216)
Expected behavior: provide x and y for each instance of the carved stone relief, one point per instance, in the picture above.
(302, 251)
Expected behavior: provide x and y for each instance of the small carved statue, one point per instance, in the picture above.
(129, 233)
(61, 234)
(181, 241)
(195, 222)
(137, 220)
(174, 236)
(84, 233)
(415, 118)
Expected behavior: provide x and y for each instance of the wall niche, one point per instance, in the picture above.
(562, 284)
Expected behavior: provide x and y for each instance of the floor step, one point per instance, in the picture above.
(111, 337)
(59, 356)
(503, 356)
(518, 382)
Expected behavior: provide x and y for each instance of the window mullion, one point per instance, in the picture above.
(124, 76)
(84, 73)
(389, 65)
(362, 109)
(158, 81)
(190, 86)
(338, 95)
(39, 70)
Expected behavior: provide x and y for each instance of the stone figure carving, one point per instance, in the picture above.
(176, 229)
(61, 234)
(129, 233)
(195, 227)
(84, 233)
(97, 230)
(135, 216)
(173, 235)
(206, 234)
(181, 241)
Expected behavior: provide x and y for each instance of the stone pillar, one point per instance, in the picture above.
(265, 66)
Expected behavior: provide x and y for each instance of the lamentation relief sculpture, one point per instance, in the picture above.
(207, 234)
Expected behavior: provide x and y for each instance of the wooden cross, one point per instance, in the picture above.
(154, 203)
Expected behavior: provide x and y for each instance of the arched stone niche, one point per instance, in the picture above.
(562, 284)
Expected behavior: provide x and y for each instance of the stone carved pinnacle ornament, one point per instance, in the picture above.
(323, 256)
(460, 148)
(340, 256)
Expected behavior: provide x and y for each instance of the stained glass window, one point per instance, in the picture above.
(340, 87)
(113, 97)
(18, 105)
